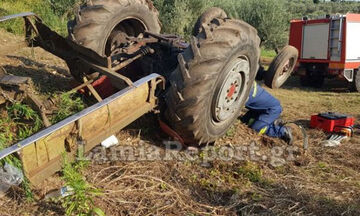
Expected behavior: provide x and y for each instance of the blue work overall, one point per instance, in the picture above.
(264, 109)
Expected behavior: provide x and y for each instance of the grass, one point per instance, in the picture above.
(13, 128)
(251, 171)
(312, 101)
(266, 53)
(27, 120)
(80, 202)
(54, 13)
(20, 121)
(69, 104)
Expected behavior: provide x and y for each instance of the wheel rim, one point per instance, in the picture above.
(232, 91)
(129, 26)
(285, 72)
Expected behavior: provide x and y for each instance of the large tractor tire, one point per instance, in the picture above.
(281, 67)
(213, 80)
(207, 17)
(100, 24)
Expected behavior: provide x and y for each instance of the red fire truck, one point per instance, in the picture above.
(328, 47)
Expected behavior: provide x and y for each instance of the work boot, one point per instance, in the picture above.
(279, 122)
(288, 137)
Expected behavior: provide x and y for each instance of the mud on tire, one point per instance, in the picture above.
(221, 61)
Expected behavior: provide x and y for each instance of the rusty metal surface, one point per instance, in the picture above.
(15, 148)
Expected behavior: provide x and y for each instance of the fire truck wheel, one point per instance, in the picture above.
(213, 80)
(356, 83)
(281, 67)
(207, 17)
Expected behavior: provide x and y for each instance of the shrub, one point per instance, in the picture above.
(55, 13)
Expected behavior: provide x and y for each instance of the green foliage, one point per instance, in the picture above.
(27, 120)
(300, 8)
(268, 17)
(69, 104)
(21, 122)
(64, 8)
(268, 53)
(80, 202)
(252, 172)
(179, 16)
(271, 18)
(55, 13)
(7, 136)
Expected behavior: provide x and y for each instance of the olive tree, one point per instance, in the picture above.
(267, 16)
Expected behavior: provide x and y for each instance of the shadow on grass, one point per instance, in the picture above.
(334, 86)
(30, 62)
(45, 81)
(45, 207)
(148, 128)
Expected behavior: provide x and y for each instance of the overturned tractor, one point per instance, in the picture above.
(115, 50)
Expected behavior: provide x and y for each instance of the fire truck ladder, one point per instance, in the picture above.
(336, 32)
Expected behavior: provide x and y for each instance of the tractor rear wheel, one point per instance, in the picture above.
(103, 25)
(213, 80)
(100, 20)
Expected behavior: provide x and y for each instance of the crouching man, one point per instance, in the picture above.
(263, 115)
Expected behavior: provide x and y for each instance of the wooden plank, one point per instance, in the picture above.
(55, 143)
(102, 119)
(115, 128)
(28, 158)
(45, 150)
(41, 153)
(38, 175)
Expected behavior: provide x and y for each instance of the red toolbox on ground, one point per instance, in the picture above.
(332, 122)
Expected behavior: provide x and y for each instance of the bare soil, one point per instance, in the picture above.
(319, 181)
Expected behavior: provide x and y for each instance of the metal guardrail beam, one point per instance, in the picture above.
(25, 14)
